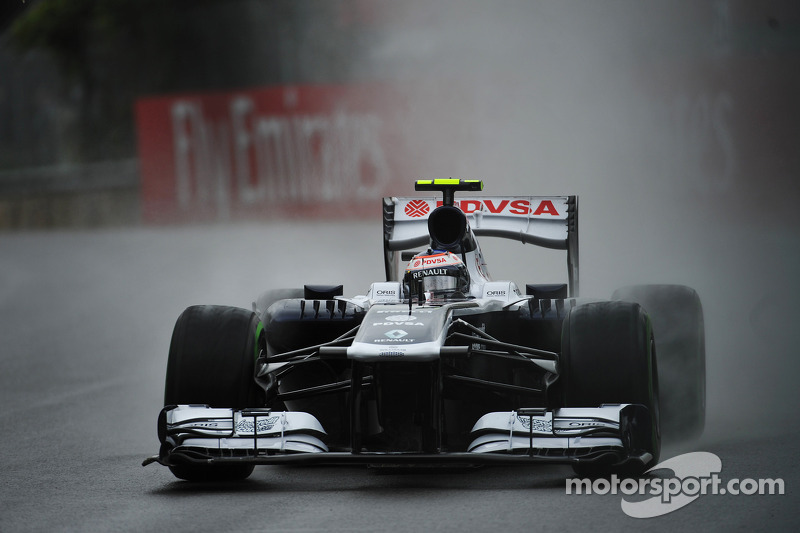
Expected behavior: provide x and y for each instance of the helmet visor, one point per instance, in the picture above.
(436, 284)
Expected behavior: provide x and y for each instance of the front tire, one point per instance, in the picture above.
(608, 356)
(211, 361)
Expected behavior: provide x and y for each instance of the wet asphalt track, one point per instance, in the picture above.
(85, 322)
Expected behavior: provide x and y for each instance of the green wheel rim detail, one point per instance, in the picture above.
(259, 329)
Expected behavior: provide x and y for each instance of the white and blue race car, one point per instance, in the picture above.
(438, 364)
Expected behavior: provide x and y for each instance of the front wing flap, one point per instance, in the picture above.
(204, 435)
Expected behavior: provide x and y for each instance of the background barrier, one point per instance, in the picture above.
(293, 150)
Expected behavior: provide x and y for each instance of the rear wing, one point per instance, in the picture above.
(546, 221)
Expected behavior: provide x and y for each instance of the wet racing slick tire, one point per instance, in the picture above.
(211, 361)
(608, 357)
(677, 316)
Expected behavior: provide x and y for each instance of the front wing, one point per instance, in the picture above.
(192, 434)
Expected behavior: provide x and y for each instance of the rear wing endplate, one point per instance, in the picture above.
(546, 221)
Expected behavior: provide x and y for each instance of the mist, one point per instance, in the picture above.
(676, 124)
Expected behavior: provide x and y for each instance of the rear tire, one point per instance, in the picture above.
(211, 361)
(608, 356)
(677, 316)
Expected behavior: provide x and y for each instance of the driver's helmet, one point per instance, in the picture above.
(440, 275)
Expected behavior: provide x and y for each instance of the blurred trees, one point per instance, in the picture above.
(107, 51)
(110, 52)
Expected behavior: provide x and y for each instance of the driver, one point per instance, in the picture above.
(438, 275)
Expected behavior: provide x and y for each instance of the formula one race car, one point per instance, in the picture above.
(439, 364)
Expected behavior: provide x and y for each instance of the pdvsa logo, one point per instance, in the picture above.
(433, 260)
(417, 208)
(508, 206)
(512, 207)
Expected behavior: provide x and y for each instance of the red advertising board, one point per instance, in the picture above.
(276, 151)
